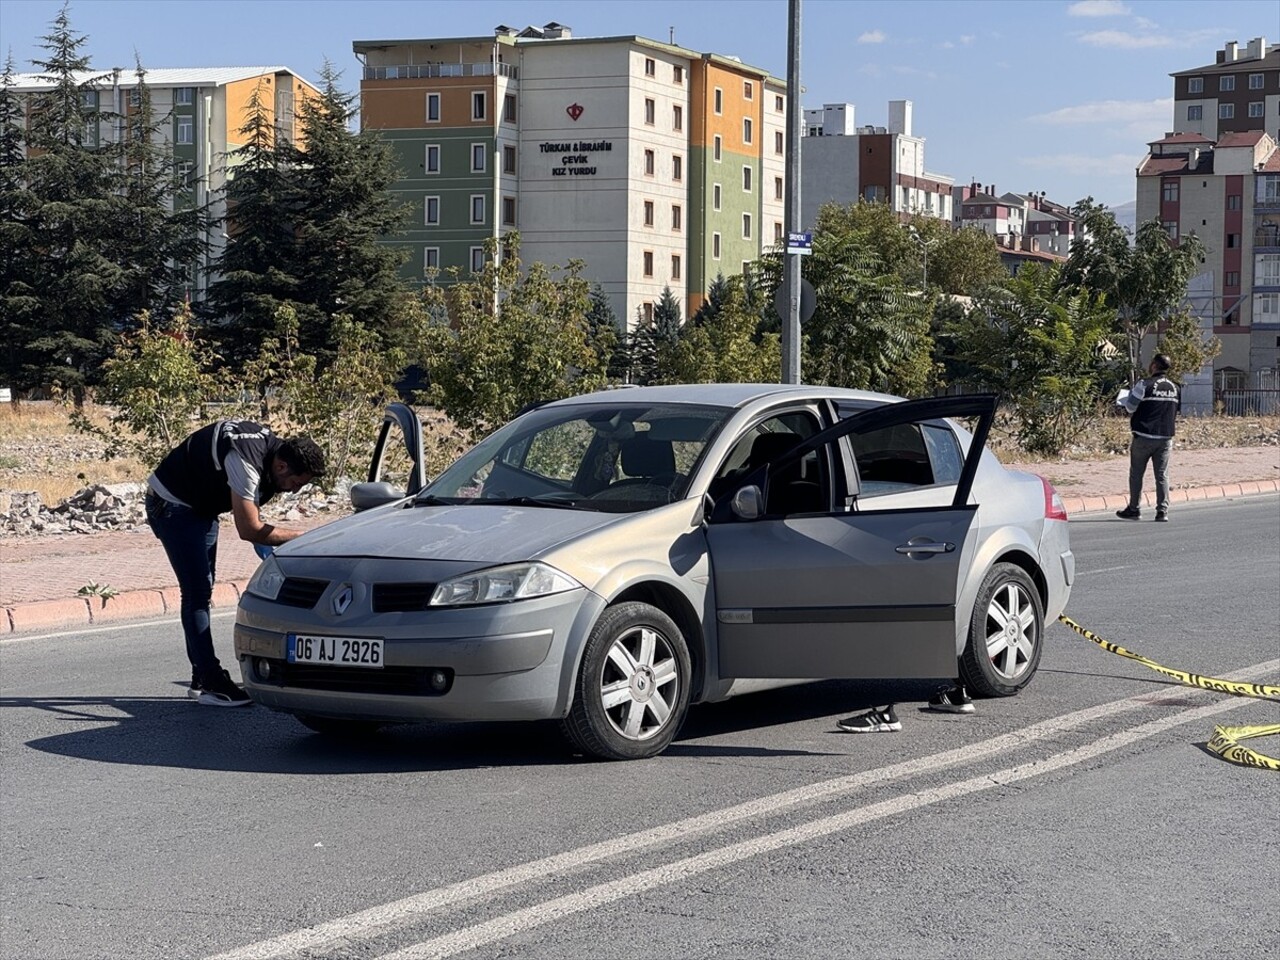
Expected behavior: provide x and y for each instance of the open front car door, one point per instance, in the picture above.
(400, 443)
(849, 591)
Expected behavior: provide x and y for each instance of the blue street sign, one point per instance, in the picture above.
(800, 244)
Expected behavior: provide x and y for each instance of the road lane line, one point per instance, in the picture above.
(520, 921)
(123, 625)
(384, 918)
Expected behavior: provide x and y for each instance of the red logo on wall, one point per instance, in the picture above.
(574, 110)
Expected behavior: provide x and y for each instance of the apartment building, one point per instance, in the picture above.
(1238, 92)
(1227, 193)
(201, 112)
(843, 163)
(1026, 222)
(654, 164)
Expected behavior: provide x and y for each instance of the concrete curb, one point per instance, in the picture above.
(162, 601)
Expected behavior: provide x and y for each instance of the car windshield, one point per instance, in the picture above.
(611, 456)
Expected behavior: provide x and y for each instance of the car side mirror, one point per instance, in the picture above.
(375, 494)
(747, 503)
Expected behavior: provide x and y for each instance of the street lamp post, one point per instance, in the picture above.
(924, 251)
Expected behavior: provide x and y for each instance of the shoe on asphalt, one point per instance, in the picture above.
(196, 686)
(875, 720)
(955, 700)
(1162, 516)
(1129, 513)
(218, 690)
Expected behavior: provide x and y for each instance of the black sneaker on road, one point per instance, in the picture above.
(875, 720)
(1129, 513)
(218, 690)
(955, 700)
(1162, 516)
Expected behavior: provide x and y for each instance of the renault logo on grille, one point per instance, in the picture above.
(342, 599)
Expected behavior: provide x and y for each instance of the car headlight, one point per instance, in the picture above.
(266, 580)
(519, 581)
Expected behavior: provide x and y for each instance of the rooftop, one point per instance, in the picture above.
(157, 77)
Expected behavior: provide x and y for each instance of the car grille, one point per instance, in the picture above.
(397, 681)
(301, 592)
(401, 597)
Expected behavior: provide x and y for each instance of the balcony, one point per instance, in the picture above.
(426, 71)
(1266, 238)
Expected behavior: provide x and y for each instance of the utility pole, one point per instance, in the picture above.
(791, 275)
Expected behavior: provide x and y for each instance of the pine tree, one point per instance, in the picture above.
(717, 294)
(17, 305)
(606, 339)
(654, 342)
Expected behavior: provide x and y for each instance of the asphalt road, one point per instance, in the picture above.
(1083, 818)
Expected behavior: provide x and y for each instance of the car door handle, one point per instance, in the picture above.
(929, 546)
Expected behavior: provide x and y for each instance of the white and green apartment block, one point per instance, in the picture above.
(201, 111)
(656, 165)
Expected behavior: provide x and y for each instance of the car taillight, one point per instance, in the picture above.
(1053, 508)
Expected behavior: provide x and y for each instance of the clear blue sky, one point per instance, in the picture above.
(1027, 94)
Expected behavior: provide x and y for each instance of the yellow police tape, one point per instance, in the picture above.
(1225, 742)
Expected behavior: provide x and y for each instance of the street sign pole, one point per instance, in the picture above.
(791, 278)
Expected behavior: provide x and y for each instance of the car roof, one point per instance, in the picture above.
(724, 394)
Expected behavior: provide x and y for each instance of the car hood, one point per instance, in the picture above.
(487, 534)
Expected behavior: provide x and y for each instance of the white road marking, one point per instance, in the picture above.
(519, 921)
(123, 625)
(1083, 573)
(384, 918)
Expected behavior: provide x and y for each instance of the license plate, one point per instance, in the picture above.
(334, 651)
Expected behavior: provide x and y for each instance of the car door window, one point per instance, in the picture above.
(802, 487)
(944, 452)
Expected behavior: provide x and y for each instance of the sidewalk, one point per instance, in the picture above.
(40, 577)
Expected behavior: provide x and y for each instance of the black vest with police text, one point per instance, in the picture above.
(1157, 409)
(193, 472)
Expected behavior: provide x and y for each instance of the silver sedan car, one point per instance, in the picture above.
(609, 559)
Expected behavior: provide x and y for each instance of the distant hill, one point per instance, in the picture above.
(1126, 215)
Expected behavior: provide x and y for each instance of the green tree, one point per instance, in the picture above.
(1043, 348)
(717, 294)
(516, 335)
(1186, 344)
(18, 304)
(965, 262)
(654, 343)
(725, 346)
(1144, 281)
(609, 343)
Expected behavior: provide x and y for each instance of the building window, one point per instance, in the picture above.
(1257, 109)
(1226, 111)
(1232, 278)
(477, 259)
(509, 108)
(433, 108)
(508, 159)
(777, 188)
(477, 208)
(1268, 306)
(478, 151)
(184, 96)
(135, 98)
(1227, 82)
(650, 110)
(509, 211)
(479, 105)
(748, 92)
(431, 258)
(648, 213)
(677, 167)
(677, 117)
(777, 232)
(715, 246)
(716, 144)
(675, 266)
(1233, 201)
(1269, 188)
(1170, 193)
(677, 73)
(718, 101)
(648, 263)
(746, 226)
(677, 216)
(89, 99)
(1195, 112)
(746, 129)
(1266, 270)
(1195, 85)
(650, 67)
(746, 179)
(186, 130)
(779, 142)
(646, 312)
(648, 163)
(431, 163)
(715, 196)
(778, 104)
(1171, 229)
(1256, 81)
(1233, 240)
(431, 211)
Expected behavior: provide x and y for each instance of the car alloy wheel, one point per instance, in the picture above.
(633, 685)
(1006, 633)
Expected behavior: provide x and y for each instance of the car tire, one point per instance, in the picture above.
(1006, 634)
(632, 691)
(338, 727)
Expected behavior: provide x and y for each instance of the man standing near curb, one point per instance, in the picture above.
(1153, 404)
(234, 465)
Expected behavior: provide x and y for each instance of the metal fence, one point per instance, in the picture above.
(1247, 401)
